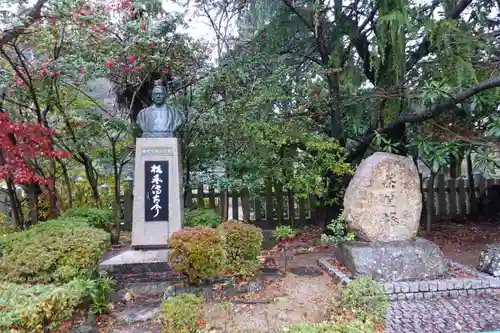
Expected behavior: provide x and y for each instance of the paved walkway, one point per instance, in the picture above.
(460, 315)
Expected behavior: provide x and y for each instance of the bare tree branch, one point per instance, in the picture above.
(417, 116)
(33, 15)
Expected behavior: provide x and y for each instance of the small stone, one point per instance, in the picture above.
(462, 292)
(393, 297)
(419, 295)
(127, 297)
(401, 297)
(453, 293)
(410, 296)
(428, 294)
(489, 260)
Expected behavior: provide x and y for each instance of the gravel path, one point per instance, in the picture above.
(460, 315)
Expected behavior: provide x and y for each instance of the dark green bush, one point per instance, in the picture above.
(183, 314)
(32, 308)
(198, 252)
(242, 244)
(97, 218)
(52, 252)
(201, 218)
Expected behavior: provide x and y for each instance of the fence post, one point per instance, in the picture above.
(452, 197)
(201, 196)
(127, 208)
(223, 204)
(245, 204)
(189, 196)
(279, 202)
(429, 184)
(258, 209)
(234, 204)
(211, 198)
(291, 208)
(269, 201)
(441, 195)
(462, 197)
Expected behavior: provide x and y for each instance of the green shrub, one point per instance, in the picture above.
(242, 244)
(31, 308)
(354, 326)
(183, 314)
(198, 252)
(53, 251)
(97, 218)
(337, 232)
(201, 218)
(366, 297)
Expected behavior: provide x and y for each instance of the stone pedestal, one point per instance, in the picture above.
(158, 206)
(408, 260)
(489, 260)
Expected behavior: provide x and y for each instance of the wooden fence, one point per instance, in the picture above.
(451, 197)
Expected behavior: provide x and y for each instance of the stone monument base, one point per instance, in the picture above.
(145, 272)
(417, 259)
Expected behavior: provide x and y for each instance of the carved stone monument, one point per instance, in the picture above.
(157, 200)
(382, 204)
(158, 205)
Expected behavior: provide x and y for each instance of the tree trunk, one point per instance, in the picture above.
(94, 186)
(15, 204)
(33, 204)
(472, 188)
(67, 182)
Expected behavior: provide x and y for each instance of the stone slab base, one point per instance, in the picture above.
(145, 272)
(481, 284)
(394, 261)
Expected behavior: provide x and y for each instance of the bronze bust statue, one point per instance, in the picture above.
(159, 120)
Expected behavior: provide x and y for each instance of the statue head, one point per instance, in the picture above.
(159, 94)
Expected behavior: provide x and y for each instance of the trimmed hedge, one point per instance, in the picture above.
(32, 308)
(198, 252)
(52, 252)
(242, 244)
(97, 218)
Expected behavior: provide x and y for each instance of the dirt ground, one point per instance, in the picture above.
(463, 242)
(292, 298)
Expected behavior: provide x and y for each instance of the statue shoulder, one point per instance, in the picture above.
(142, 113)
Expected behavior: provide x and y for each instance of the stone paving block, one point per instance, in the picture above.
(419, 295)
(442, 285)
(453, 293)
(410, 296)
(413, 286)
(397, 287)
(494, 283)
(471, 292)
(467, 284)
(476, 283)
(450, 284)
(405, 287)
(424, 286)
(433, 285)
(388, 288)
(458, 284)
(485, 283)
(464, 314)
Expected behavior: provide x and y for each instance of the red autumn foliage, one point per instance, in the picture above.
(21, 143)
